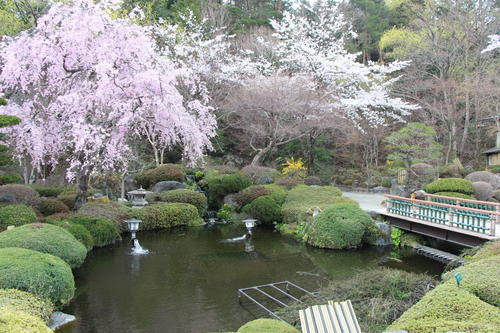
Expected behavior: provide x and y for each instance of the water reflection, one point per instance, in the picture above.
(189, 281)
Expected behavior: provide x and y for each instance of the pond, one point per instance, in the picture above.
(189, 281)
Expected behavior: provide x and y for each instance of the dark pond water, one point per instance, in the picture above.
(189, 281)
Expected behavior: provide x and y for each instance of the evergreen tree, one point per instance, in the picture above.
(5, 159)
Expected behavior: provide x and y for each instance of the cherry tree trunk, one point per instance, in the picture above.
(82, 189)
(257, 159)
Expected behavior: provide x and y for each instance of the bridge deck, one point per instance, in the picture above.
(462, 221)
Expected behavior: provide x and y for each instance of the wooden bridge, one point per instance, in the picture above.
(460, 221)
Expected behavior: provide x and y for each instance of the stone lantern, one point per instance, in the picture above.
(138, 197)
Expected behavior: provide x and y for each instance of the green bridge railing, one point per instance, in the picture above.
(470, 215)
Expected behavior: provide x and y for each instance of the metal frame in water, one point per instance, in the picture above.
(243, 293)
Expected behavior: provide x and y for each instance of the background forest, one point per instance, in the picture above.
(434, 58)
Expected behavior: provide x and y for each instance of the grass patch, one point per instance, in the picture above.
(379, 296)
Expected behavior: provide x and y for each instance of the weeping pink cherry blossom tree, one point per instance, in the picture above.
(84, 84)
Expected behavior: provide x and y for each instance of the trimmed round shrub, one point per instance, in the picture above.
(20, 322)
(312, 180)
(265, 325)
(49, 191)
(483, 176)
(164, 172)
(249, 194)
(480, 278)
(16, 215)
(334, 230)
(265, 209)
(42, 274)
(482, 190)
(113, 211)
(167, 215)
(449, 185)
(449, 308)
(104, 232)
(197, 199)
(22, 194)
(46, 238)
(78, 231)
(354, 213)
(221, 185)
(23, 301)
(69, 199)
(456, 195)
(52, 206)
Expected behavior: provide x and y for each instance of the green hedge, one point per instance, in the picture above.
(16, 215)
(165, 172)
(18, 300)
(197, 199)
(481, 278)
(302, 198)
(68, 199)
(104, 232)
(335, 229)
(49, 191)
(456, 195)
(167, 215)
(42, 274)
(46, 238)
(450, 185)
(52, 206)
(449, 308)
(265, 325)
(10, 178)
(265, 209)
(77, 230)
(20, 322)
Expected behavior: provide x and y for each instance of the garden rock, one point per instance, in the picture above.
(58, 319)
(380, 189)
(168, 186)
(483, 176)
(264, 180)
(385, 239)
(482, 190)
(230, 200)
(8, 198)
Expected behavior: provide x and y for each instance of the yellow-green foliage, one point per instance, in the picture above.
(22, 301)
(482, 278)
(20, 322)
(264, 325)
(449, 308)
(488, 250)
(16, 215)
(400, 40)
(302, 198)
